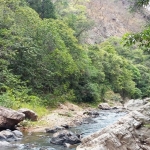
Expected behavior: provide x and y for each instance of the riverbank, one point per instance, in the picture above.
(129, 132)
(67, 113)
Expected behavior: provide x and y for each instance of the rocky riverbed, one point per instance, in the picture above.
(128, 133)
(60, 138)
(94, 128)
(63, 129)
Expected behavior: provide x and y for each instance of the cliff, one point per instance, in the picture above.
(113, 18)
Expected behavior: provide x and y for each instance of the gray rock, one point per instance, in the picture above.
(5, 144)
(2, 137)
(66, 126)
(63, 137)
(9, 135)
(17, 133)
(54, 130)
(92, 113)
(127, 133)
(104, 106)
(134, 104)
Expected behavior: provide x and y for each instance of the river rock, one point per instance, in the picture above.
(7, 137)
(92, 113)
(9, 118)
(104, 106)
(54, 130)
(134, 104)
(5, 144)
(66, 126)
(29, 114)
(17, 133)
(62, 137)
(11, 135)
(128, 133)
(2, 137)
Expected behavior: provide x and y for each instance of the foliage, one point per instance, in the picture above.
(44, 8)
(140, 67)
(43, 63)
(137, 4)
(147, 125)
(117, 71)
(74, 14)
(142, 38)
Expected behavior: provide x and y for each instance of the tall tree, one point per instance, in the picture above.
(44, 8)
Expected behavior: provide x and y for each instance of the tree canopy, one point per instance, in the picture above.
(42, 60)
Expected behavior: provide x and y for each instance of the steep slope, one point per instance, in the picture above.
(112, 18)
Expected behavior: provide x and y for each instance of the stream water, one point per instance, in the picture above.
(41, 141)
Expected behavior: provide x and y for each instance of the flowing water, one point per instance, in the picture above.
(41, 141)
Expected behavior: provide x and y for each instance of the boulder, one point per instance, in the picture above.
(104, 106)
(63, 137)
(17, 133)
(9, 118)
(29, 114)
(54, 130)
(66, 126)
(92, 113)
(134, 104)
(2, 137)
(128, 133)
(9, 136)
(4, 144)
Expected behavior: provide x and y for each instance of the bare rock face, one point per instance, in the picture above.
(128, 133)
(29, 114)
(135, 104)
(104, 106)
(112, 18)
(9, 118)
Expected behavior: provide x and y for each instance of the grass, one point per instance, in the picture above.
(28, 123)
(147, 125)
(40, 110)
(67, 114)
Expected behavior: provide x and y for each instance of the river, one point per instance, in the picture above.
(41, 141)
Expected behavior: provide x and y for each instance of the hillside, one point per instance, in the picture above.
(44, 63)
(113, 18)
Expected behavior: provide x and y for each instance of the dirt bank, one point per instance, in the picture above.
(67, 113)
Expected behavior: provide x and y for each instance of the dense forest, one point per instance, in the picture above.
(43, 60)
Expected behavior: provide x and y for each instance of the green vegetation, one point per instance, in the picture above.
(43, 60)
(141, 39)
(147, 126)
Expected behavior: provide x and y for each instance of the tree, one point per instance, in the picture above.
(139, 65)
(73, 12)
(44, 8)
(113, 71)
(137, 4)
(141, 39)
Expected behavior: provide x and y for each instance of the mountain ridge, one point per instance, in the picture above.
(113, 18)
